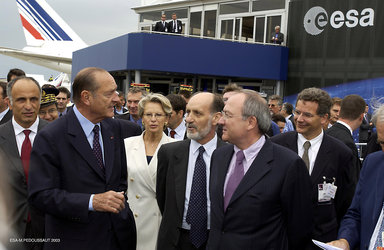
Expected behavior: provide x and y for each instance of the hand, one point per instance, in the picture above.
(111, 201)
(342, 243)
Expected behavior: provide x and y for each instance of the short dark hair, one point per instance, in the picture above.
(231, 88)
(186, 93)
(217, 104)
(336, 100)
(85, 80)
(178, 103)
(276, 97)
(288, 107)
(15, 72)
(12, 83)
(319, 96)
(278, 118)
(65, 91)
(352, 106)
(3, 85)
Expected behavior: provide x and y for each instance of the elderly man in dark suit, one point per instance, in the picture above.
(351, 116)
(329, 162)
(183, 177)
(260, 191)
(78, 171)
(16, 139)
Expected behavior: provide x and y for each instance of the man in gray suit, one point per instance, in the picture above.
(183, 172)
(16, 140)
(5, 112)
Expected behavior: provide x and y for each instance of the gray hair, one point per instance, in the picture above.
(156, 98)
(378, 115)
(255, 105)
(12, 83)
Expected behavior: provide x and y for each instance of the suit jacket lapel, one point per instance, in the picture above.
(108, 145)
(8, 139)
(259, 168)
(224, 162)
(79, 141)
(180, 170)
(321, 161)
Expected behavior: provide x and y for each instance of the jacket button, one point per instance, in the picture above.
(137, 196)
(136, 215)
(131, 179)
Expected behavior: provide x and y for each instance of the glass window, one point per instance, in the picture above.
(195, 24)
(147, 28)
(226, 29)
(247, 29)
(210, 23)
(260, 5)
(259, 36)
(234, 8)
(181, 13)
(237, 29)
(272, 22)
(150, 16)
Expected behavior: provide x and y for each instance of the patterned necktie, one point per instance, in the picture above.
(197, 207)
(379, 232)
(97, 148)
(305, 157)
(235, 178)
(26, 153)
(172, 133)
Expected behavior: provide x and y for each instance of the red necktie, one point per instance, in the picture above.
(172, 133)
(26, 153)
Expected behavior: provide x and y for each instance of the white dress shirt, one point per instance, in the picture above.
(312, 151)
(20, 136)
(2, 114)
(180, 131)
(193, 153)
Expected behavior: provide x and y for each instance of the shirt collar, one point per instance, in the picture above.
(209, 146)
(19, 129)
(317, 139)
(343, 123)
(181, 128)
(85, 124)
(252, 150)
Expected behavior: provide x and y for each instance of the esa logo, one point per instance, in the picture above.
(316, 19)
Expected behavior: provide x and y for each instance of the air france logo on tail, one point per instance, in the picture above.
(38, 24)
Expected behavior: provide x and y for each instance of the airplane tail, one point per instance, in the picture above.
(43, 27)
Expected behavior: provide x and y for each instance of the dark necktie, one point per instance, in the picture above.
(305, 157)
(97, 148)
(197, 207)
(235, 178)
(174, 26)
(172, 133)
(26, 153)
(61, 114)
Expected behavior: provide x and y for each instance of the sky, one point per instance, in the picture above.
(94, 21)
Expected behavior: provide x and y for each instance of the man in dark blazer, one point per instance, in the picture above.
(351, 116)
(5, 112)
(134, 96)
(365, 130)
(162, 26)
(358, 226)
(175, 26)
(328, 161)
(25, 221)
(177, 177)
(260, 191)
(277, 36)
(78, 171)
(176, 127)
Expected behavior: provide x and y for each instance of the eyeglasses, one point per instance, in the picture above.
(304, 114)
(156, 115)
(50, 111)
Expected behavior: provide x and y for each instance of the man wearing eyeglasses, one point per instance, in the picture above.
(260, 191)
(328, 160)
(183, 173)
(363, 223)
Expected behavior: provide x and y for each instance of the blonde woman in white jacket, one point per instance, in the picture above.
(141, 151)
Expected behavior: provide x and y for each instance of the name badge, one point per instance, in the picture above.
(326, 191)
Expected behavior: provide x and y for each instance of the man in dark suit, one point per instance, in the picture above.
(260, 191)
(328, 161)
(134, 96)
(162, 26)
(16, 139)
(362, 224)
(175, 26)
(351, 116)
(63, 99)
(183, 177)
(277, 36)
(5, 112)
(365, 129)
(176, 124)
(78, 171)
